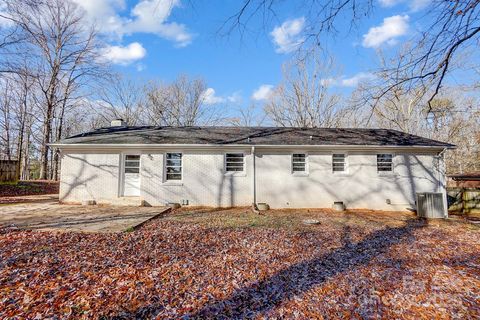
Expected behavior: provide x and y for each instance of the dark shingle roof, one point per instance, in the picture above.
(250, 136)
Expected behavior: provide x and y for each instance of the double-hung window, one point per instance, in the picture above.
(173, 166)
(338, 162)
(384, 162)
(234, 162)
(299, 163)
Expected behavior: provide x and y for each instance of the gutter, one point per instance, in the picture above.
(236, 146)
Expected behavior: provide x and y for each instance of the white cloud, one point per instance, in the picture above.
(147, 16)
(150, 16)
(4, 22)
(103, 13)
(356, 79)
(389, 3)
(328, 82)
(414, 5)
(235, 98)
(348, 82)
(263, 92)
(388, 31)
(417, 5)
(209, 97)
(287, 37)
(124, 55)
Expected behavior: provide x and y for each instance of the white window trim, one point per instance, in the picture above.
(172, 182)
(385, 173)
(234, 173)
(339, 173)
(307, 167)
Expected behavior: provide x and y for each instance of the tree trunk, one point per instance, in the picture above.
(47, 127)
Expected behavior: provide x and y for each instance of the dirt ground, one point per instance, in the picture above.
(47, 214)
(202, 263)
(10, 191)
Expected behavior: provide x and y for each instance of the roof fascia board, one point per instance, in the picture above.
(86, 146)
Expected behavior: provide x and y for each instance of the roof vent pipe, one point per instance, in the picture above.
(118, 123)
(311, 137)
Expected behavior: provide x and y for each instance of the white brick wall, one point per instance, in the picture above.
(360, 187)
(96, 176)
(204, 181)
(89, 177)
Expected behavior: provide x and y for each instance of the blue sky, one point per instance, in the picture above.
(160, 39)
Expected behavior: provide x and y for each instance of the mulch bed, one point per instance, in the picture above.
(172, 269)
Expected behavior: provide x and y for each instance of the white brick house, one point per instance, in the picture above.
(238, 166)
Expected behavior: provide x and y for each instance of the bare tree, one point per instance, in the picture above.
(452, 27)
(61, 52)
(303, 98)
(250, 116)
(456, 120)
(180, 103)
(120, 98)
(6, 118)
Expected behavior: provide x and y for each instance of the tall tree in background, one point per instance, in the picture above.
(179, 103)
(121, 98)
(249, 116)
(451, 29)
(303, 98)
(61, 52)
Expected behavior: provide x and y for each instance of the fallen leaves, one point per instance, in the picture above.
(360, 267)
(13, 192)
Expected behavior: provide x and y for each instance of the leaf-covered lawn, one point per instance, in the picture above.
(10, 191)
(233, 264)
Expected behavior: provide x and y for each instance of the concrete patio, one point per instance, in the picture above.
(50, 215)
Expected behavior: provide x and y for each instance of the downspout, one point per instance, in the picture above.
(442, 171)
(254, 184)
(442, 181)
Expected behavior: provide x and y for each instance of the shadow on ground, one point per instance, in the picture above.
(259, 298)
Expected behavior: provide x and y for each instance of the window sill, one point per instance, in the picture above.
(341, 174)
(172, 184)
(300, 174)
(385, 174)
(235, 174)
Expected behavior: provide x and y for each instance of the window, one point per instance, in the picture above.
(338, 162)
(299, 162)
(234, 162)
(173, 166)
(384, 162)
(132, 164)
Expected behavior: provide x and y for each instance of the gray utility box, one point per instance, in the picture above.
(431, 205)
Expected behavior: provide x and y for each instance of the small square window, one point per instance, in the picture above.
(299, 162)
(384, 162)
(234, 162)
(173, 166)
(338, 162)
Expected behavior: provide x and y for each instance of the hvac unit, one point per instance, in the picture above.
(431, 205)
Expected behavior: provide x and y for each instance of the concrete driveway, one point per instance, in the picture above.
(50, 215)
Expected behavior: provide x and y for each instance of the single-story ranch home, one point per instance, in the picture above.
(237, 166)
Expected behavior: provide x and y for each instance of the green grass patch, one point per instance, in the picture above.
(9, 183)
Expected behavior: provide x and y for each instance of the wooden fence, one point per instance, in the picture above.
(9, 170)
(464, 200)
